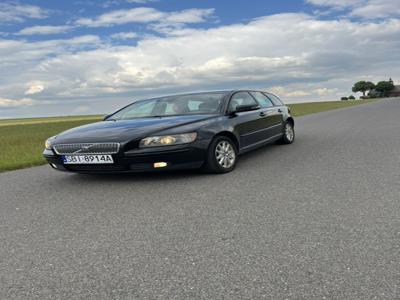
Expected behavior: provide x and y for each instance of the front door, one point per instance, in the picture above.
(273, 116)
(248, 124)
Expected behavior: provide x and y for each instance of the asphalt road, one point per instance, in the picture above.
(313, 220)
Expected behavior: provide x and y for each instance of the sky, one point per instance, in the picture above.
(92, 57)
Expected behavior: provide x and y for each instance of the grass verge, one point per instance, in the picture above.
(300, 109)
(22, 144)
(22, 140)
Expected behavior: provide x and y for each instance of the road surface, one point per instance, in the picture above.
(316, 219)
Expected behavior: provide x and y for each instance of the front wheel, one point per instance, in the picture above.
(288, 134)
(222, 155)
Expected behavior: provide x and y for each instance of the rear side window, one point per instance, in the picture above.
(241, 98)
(262, 99)
(275, 99)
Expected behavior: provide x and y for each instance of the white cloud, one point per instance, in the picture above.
(16, 12)
(117, 17)
(124, 35)
(378, 9)
(82, 109)
(146, 15)
(189, 16)
(22, 54)
(312, 91)
(310, 58)
(34, 88)
(368, 9)
(110, 3)
(44, 30)
(10, 103)
(141, 1)
(325, 91)
(298, 93)
(336, 3)
(288, 92)
(20, 66)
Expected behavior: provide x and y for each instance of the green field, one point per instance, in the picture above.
(22, 144)
(28, 121)
(22, 140)
(301, 109)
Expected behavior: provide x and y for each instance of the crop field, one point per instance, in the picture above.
(22, 140)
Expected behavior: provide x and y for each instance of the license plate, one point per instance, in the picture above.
(87, 159)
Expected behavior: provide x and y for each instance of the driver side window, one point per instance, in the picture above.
(240, 98)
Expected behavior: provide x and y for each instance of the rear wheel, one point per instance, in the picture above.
(288, 134)
(222, 155)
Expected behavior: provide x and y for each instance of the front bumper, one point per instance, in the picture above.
(138, 160)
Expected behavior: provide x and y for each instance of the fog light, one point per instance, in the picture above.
(160, 164)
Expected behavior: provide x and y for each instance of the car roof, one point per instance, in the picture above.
(212, 91)
(226, 92)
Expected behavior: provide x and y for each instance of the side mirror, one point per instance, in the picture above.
(241, 108)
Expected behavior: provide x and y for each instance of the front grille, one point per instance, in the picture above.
(87, 148)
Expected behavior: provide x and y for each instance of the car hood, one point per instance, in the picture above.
(124, 130)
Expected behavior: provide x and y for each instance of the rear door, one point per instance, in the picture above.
(272, 114)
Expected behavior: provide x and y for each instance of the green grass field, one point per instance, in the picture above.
(29, 121)
(301, 109)
(22, 144)
(22, 140)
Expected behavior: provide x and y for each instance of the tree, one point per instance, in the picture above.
(363, 87)
(384, 87)
(351, 97)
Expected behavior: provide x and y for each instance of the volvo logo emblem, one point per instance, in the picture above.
(83, 148)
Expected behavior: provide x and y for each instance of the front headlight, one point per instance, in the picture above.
(168, 140)
(47, 144)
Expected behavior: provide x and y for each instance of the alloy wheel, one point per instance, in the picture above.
(289, 132)
(225, 154)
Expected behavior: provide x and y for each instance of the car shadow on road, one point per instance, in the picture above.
(142, 176)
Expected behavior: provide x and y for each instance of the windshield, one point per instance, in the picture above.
(204, 103)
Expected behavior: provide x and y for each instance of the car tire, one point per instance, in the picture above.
(221, 156)
(288, 134)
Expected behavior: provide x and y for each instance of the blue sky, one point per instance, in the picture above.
(84, 57)
(61, 13)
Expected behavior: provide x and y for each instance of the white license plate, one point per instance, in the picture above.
(87, 159)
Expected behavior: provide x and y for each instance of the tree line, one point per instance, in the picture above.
(382, 88)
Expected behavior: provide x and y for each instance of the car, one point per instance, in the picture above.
(207, 130)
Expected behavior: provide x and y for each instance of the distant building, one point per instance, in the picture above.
(393, 93)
